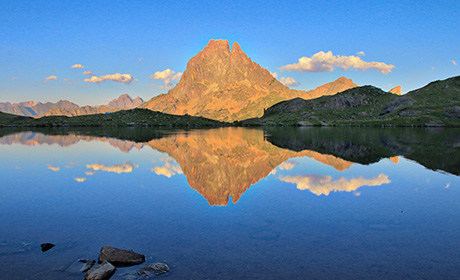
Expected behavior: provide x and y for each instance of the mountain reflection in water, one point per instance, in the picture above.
(224, 162)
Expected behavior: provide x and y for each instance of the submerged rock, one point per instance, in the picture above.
(120, 257)
(47, 246)
(79, 266)
(154, 268)
(102, 271)
(87, 264)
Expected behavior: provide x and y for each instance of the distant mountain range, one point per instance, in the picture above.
(67, 108)
(226, 85)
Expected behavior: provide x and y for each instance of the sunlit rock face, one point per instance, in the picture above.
(221, 163)
(225, 84)
(396, 90)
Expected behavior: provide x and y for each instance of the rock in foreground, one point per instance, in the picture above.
(120, 257)
(46, 246)
(154, 268)
(102, 271)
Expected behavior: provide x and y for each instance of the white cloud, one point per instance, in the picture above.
(326, 61)
(288, 81)
(77, 66)
(88, 73)
(274, 74)
(361, 53)
(167, 76)
(453, 62)
(122, 78)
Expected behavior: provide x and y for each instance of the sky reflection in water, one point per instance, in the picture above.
(313, 203)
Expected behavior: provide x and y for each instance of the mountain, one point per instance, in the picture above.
(227, 85)
(67, 108)
(32, 109)
(437, 104)
(125, 101)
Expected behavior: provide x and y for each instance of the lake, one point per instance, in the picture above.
(233, 203)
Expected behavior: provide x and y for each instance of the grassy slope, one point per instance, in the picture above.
(436, 104)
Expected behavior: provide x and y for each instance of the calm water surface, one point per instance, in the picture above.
(234, 203)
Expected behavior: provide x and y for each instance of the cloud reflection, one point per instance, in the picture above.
(168, 169)
(320, 184)
(126, 167)
(55, 169)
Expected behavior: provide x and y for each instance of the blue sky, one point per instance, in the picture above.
(40, 39)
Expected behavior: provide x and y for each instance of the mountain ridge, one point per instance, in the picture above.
(67, 108)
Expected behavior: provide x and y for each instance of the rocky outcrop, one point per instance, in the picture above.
(120, 257)
(398, 104)
(352, 98)
(395, 90)
(102, 271)
(227, 85)
(154, 269)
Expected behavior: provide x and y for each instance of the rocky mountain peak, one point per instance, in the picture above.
(226, 85)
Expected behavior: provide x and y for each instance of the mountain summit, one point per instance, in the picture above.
(225, 84)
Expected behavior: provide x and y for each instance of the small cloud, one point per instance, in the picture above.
(167, 76)
(88, 73)
(273, 172)
(152, 85)
(69, 81)
(454, 63)
(448, 185)
(77, 66)
(55, 169)
(274, 74)
(361, 53)
(326, 62)
(122, 78)
(90, 173)
(288, 165)
(140, 59)
(288, 81)
(356, 193)
(80, 180)
(432, 68)
(14, 78)
(50, 78)
(168, 169)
